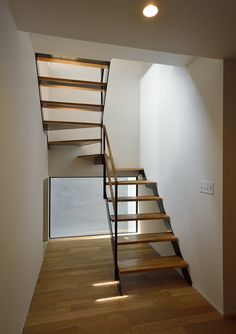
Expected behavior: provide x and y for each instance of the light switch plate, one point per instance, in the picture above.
(207, 187)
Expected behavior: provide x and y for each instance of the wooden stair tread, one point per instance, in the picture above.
(140, 265)
(72, 61)
(70, 105)
(129, 171)
(97, 155)
(146, 238)
(136, 198)
(64, 125)
(71, 83)
(78, 142)
(133, 182)
(137, 169)
(140, 216)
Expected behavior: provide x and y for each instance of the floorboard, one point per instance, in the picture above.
(66, 298)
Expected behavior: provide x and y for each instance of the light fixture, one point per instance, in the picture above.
(150, 10)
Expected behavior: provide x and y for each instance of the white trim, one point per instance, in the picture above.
(220, 311)
(45, 243)
(230, 315)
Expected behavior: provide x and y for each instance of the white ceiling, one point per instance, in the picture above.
(193, 27)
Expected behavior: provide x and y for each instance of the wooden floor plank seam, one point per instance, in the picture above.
(66, 296)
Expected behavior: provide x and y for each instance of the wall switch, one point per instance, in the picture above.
(207, 187)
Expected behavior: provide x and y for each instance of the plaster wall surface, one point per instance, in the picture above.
(181, 143)
(23, 169)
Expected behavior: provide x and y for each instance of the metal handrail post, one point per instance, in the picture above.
(104, 166)
(102, 104)
(116, 233)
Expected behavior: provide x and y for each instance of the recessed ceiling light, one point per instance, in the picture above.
(150, 10)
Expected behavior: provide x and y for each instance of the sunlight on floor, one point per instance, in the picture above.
(106, 283)
(111, 298)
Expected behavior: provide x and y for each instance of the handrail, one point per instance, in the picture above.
(109, 179)
(110, 152)
(110, 173)
(103, 100)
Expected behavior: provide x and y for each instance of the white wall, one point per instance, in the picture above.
(229, 189)
(122, 106)
(64, 161)
(72, 95)
(90, 50)
(122, 111)
(22, 171)
(121, 117)
(181, 137)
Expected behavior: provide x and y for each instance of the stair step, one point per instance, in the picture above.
(136, 198)
(69, 83)
(69, 105)
(146, 238)
(98, 155)
(129, 171)
(133, 182)
(140, 216)
(78, 142)
(64, 125)
(140, 265)
(98, 158)
(73, 61)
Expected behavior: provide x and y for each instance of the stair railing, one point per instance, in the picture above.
(110, 175)
(104, 78)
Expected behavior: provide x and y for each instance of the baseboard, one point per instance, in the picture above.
(209, 301)
(45, 243)
(230, 315)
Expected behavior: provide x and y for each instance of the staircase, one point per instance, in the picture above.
(113, 178)
(85, 115)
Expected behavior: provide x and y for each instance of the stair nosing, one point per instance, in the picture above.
(67, 142)
(137, 199)
(167, 236)
(71, 105)
(142, 268)
(95, 155)
(130, 169)
(48, 123)
(133, 182)
(71, 83)
(141, 216)
(75, 61)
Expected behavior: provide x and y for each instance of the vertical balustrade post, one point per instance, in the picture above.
(104, 165)
(116, 233)
(136, 204)
(102, 104)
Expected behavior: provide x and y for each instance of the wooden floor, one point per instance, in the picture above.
(68, 301)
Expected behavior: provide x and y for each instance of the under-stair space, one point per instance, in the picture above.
(72, 94)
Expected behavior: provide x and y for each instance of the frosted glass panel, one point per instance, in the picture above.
(78, 208)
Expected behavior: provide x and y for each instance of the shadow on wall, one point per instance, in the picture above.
(45, 208)
(181, 124)
(64, 161)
